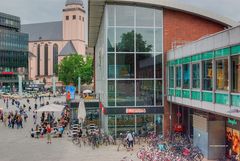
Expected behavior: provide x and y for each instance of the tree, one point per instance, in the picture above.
(73, 66)
(127, 43)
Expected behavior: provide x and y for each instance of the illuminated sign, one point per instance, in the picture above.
(135, 110)
(7, 73)
(232, 121)
(70, 91)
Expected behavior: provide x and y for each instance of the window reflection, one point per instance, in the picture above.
(222, 74)
(124, 15)
(144, 40)
(145, 92)
(125, 93)
(159, 92)
(145, 65)
(158, 66)
(111, 65)
(111, 93)
(125, 39)
(144, 16)
(125, 65)
(196, 75)
(236, 73)
(186, 76)
(110, 40)
(178, 76)
(207, 75)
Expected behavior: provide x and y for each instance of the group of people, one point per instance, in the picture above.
(11, 119)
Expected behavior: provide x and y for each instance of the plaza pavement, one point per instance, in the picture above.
(16, 145)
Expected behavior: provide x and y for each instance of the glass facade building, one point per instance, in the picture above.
(13, 51)
(129, 68)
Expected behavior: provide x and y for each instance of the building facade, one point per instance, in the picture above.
(204, 84)
(50, 42)
(131, 41)
(13, 52)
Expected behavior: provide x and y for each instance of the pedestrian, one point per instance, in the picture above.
(48, 128)
(25, 116)
(35, 106)
(7, 104)
(4, 100)
(129, 139)
(35, 117)
(29, 108)
(49, 96)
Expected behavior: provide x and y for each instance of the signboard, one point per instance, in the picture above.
(7, 73)
(70, 92)
(135, 110)
(232, 121)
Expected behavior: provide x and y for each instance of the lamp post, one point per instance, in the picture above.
(79, 85)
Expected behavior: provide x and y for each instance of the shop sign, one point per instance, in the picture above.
(70, 91)
(135, 110)
(7, 73)
(232, 121)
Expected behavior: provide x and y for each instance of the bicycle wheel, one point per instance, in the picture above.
(75, 141)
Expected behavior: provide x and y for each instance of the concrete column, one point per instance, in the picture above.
(20, 85)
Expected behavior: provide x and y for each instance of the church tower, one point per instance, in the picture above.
(73, 21)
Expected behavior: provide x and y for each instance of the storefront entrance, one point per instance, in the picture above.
(140, 124)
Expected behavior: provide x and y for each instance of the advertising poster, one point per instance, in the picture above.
(70, 92)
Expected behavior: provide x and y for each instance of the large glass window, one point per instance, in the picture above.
(110, 41)
(196, 75)
(111, 66)
(38, 60)
(159, 92)
(144, 40)
(124, 15)
(125, 39)
(158, 40)
(186, 76)
(222, 74)
(111, 15)
(158, 60)
(55, 59)
(207, 75)
(178, 76)
(158, 18)
(236, 74)
(171, 76)
(125, 93)
(125, 65)
(145, 65)
(111, 93)
(45, 59)
(144, 16)
(145, 92)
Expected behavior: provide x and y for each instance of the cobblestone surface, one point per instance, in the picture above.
(16, 145)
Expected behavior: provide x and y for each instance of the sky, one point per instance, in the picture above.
(33, 11)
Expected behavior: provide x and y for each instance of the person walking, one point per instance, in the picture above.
(49, 130)
(129, 139)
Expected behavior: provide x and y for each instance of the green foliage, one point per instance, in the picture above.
(127, 43)
(73, 66)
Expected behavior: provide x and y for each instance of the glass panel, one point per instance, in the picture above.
(145, 92)
(125, 66)
(145, 65)
(158, 40)
(186, 76)
(144, 40)
(111, 93)
(196, 75)
(110, 41)
(171, 77)
(111, 15)
(125, 39)
(111, 65)
(158, 18)
(159, 93)
(207, 75)
(144, 16)
(236, 73)
(125, 123)
(124, 15)
(222, 74)
(145, 124)
(178, 76)
(158, 66)
(125, 93)
(111, 124)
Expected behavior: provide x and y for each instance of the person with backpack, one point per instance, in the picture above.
(129, 139)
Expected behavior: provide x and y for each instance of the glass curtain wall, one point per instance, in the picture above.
(207, 75)
(134, 61)
(196, 75)
(186, 76)
(179, 76)
(236, 73)
(222, 74)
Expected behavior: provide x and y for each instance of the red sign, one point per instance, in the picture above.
(135, 110)
(7, 73)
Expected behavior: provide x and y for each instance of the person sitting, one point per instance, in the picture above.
(60, 129)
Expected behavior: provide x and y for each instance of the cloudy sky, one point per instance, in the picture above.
(32, 11)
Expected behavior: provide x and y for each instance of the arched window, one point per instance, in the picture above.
(45, 59)
(55, 59)
(38, 60)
